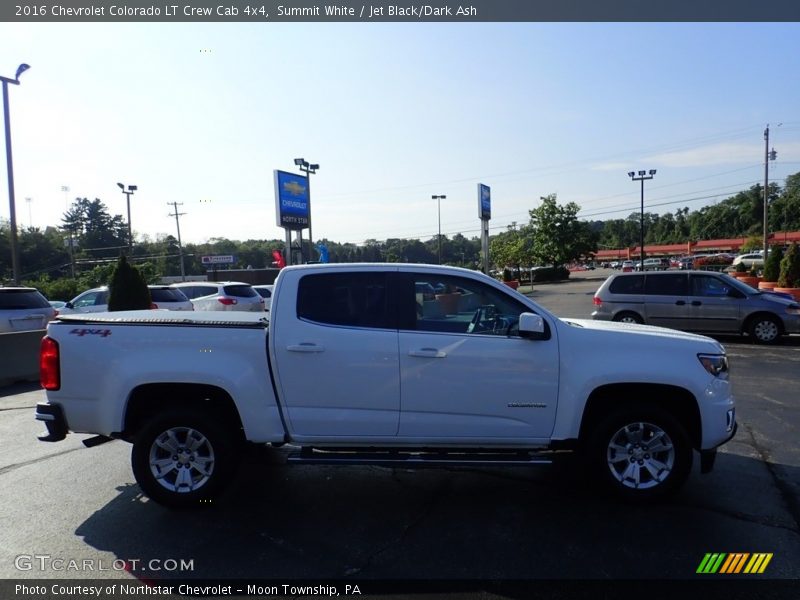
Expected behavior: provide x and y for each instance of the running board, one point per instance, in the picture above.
(410, 459)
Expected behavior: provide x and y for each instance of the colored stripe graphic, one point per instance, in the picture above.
(723, 563)
(758, 563)
(734, 562)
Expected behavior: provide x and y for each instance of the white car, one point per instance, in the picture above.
(221, 295)
(23, 309)
(96, 300)
(755, 259)
(265, 291)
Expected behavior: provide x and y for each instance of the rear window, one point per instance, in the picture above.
(264, 292)
(672, 284)
(196, 291)
(167, 295)
(240, 291)
(353, 299)
(627, 284)
(21, 299)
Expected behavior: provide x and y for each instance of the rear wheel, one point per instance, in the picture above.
(765, 329)
(640, 454)
(183, 459)
(628, 317)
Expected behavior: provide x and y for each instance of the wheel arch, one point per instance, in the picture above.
(619, 315)
(748, 322)
(675, 400)
(150, 399)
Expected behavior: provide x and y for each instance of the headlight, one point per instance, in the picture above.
(793, 309)
(716, 364)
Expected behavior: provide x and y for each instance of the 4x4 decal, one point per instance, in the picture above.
(83, 332)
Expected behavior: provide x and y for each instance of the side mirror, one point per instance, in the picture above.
(69, 305)
(533, 327)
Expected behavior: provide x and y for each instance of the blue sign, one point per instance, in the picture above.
(484, 202)
(292, 202)
(324, 256)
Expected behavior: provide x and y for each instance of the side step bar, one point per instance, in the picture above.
(411, 459)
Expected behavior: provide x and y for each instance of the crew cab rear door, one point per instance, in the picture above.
(334, 340)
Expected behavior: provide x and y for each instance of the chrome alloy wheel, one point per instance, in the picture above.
(181, 459)
(640, 455)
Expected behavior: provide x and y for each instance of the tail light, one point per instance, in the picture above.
(227, 301)
(596, 301)
(153, 306)
(49, 364)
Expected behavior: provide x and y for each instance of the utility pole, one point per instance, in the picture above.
(175, 206)
(768, 156)
(65, 189)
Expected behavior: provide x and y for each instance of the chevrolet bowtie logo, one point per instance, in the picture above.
(294, 188)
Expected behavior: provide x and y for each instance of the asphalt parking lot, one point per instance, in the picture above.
(460, 527)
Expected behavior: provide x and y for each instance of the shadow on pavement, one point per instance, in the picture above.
(370, 523)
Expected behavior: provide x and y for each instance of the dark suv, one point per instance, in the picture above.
(696, 301)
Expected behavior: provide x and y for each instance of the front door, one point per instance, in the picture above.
(714, 304)
(465, 373)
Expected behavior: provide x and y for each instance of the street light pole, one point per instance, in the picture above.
(309, 170)
(439, 208)
(642, 176)
(131, 189)
(10, 166)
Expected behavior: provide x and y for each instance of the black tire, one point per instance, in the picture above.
(764, 329)
(204, 456)
(645, 470)
(628, 317)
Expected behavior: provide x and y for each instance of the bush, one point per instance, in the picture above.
(772, 266)
(790, 269)
(740, 268)
(55, 289)
(127, 289)
(550, 274)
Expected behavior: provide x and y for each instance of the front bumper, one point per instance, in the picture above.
(53, 417)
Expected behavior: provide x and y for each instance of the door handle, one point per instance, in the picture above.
(427, 353)
(305, 347)
(680, 303)
(696, 303)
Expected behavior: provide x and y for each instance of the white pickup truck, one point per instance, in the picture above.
(391, 365)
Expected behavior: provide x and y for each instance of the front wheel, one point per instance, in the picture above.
(765, 329)
(183, 459)
(640, 454)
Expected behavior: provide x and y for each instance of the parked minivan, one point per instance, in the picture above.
(696, 301)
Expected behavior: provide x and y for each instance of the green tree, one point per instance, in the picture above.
(127, 289)
(772, 266)
(790, 269)
(555, 234)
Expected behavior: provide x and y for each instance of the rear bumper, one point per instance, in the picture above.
(53, 417)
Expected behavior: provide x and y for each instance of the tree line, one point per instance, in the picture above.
(553, 235)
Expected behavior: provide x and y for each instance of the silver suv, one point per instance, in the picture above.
(23, 309)
(696, 301)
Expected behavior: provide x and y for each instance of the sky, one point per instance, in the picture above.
(202, 114)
